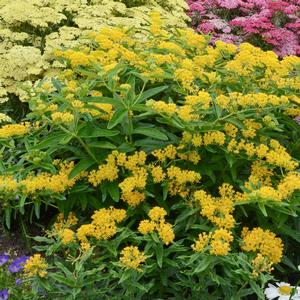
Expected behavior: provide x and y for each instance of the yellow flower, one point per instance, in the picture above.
(220, 242)
(67, 236)
(202, 242)
(197, 139)
(214, 138)
(12, 130)
(264, 242)
(157, 174)
(132, 258)
(166, 232)
(35, 265)
(62, 117)
(230, 130)
(157, 214)
(146, 226)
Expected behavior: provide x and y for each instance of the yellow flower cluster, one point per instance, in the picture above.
(56, 183)
(61, 222)
(168, 152)
(261, 264)
(259, 100)
(62, 117)
(133, 186)
(156, 24)
(157, 222)
(285, 188)
(275, 154)
(179, 180)
(187, 112)
(61, 228)
(103, 226)
(14, 130)
(250, 128)
(260, 173)
(108, 171)
(162, 107)
(132, 258)
(8, 184)
(158, 174)
(35, 266)
(263, 242)
(67, 236)
(76, 58)
(203, 99)
(218, 242)
(217, 209)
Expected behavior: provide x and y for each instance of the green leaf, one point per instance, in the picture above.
(159, 251)
(203, 265)
(150, 93)
(91, 131)
(52, 140)
(114, 102)
(113, 190)
(165, 190)
(62, 279)
(21, 204)
(42, 239)
(262, 208)
(151, 132)
(37, 209)
(7, 213)
(103, 145)
(83, 165)
(117, 118)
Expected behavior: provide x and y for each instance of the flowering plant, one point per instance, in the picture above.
(30, 30)
(184, 153)
(265, 23)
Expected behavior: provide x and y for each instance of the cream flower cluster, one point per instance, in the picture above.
(31, 29)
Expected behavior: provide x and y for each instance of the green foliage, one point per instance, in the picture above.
(202, 134)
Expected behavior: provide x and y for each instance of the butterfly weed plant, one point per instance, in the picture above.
(174, 166)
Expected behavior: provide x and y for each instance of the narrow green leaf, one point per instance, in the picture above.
(51, 140)
(62, 279)
(7, 213)
(151, 132)
(151, 92)
(159, 251)
(113, 190)
(262, 208)
(91, 131)
(37, 206)
(21, 204)
(117, 118)
(103, 145)
(83, 165)
(42, 239)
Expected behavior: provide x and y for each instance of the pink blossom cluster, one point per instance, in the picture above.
(270, 24)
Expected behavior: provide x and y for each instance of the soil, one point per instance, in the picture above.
(12, 242)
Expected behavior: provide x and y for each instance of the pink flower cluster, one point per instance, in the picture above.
(270, 24)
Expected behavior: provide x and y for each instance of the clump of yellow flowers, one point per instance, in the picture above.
(103, 226)
(157, 223)
(35, 266)
(132, 258)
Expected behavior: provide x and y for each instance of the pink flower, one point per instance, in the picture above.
(230, 4)
(265, 23)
